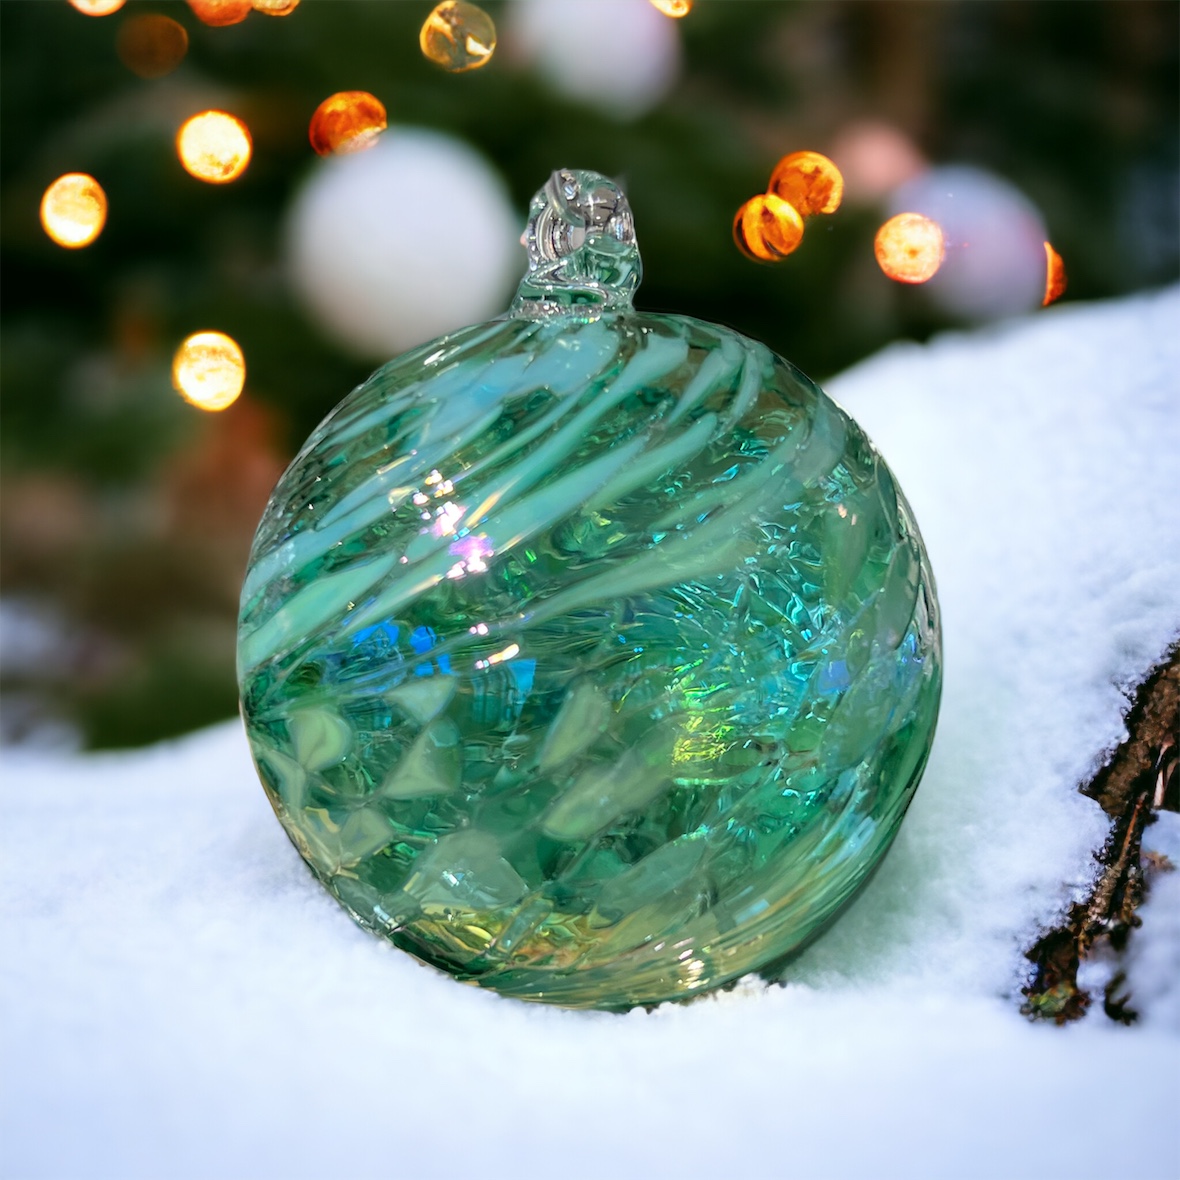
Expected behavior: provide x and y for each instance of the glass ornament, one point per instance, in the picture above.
(590, 655)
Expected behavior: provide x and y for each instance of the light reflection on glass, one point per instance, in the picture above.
(513, 649)
(472, 551)
(473, 548)
(447, 519)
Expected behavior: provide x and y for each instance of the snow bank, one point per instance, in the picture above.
(180, 999)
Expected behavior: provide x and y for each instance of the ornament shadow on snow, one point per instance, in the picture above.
(590, 655)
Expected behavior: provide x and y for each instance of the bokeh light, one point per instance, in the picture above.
(1055, 280)
(221, 12)
(97, 7)
(458, 36)
(875, 157)
(621, 57)
(151, 45)
(673, 8)
(275, 7)
(74, 210)
(209, 370)
(767, 228)
(372, 247)
(995, 240)
(808, 181)
(349, 121)
(910, 248)
(214, 146)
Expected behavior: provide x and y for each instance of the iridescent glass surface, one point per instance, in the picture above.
(589, 655)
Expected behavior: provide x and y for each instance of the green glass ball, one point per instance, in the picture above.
(590, 655)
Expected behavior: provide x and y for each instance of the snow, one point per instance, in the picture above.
(1154, 962)
(180, 999)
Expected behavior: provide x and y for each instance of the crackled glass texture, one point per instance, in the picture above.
(590, 655)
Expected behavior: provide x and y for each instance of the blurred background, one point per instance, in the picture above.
(126, 513)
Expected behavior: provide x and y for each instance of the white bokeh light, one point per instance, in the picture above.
(410, 240)
(875, 157)
(621, 56)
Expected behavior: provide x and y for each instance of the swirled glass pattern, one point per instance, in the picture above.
(590, 655)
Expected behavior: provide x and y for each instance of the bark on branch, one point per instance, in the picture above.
(1140, 779)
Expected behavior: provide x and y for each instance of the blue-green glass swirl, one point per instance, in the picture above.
(590, 655)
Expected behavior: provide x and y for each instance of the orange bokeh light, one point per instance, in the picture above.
(275, 7)
(151, 45)
(209, 370)
(97, 7)
(346, 122)
(674, 8)
(221, 12)
(458, 36)
(1055, 280)
(767, 228)
(74, 210)
(214, 146)
(809, 181)
(910, 248)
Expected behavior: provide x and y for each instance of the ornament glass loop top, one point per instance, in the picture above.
(589, 655)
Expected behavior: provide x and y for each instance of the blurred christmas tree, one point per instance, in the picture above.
(127, 514)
